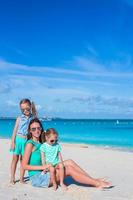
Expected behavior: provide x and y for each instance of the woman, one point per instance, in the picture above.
(32, 162)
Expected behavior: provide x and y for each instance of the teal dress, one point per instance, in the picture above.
(35, 158)
(37, 177)
(51, 153)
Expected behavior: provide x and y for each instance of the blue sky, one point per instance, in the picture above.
(74, 59)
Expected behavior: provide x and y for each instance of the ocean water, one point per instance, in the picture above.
(107, 133)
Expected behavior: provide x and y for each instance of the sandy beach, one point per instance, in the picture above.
(98, 162)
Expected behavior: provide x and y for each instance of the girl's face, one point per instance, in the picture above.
(51, 139)
(25, 108)
(35, 130)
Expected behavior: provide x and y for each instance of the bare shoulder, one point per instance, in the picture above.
(29, 146)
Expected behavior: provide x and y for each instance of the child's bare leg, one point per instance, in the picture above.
(61, 175)
(53, 177)
(13, 168)
(22, 172)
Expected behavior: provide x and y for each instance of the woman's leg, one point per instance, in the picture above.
(85, 179)
(75, 166)
(13, 167)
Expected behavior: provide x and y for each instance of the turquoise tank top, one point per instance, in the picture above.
(23, 124)
(35, 157)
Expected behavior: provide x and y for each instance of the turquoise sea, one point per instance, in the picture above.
(109, 133)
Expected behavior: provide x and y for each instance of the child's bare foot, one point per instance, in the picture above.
(63, 186)
(55, 186)
(22, 182)
(12, 182)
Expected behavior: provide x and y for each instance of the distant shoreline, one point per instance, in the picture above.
(84, 119)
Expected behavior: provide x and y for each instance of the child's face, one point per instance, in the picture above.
(51, 139)
(25, 108)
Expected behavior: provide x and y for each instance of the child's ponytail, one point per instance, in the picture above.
(43, 139)
(33, 109)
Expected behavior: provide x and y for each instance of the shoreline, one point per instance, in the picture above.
(86, 145)
(106, 147)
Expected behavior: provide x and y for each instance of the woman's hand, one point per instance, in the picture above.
(46, 167)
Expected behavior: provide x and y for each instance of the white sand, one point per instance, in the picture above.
(98, 162)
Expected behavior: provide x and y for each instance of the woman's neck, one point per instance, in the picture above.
(35, 139)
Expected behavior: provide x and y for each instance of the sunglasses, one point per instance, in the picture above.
(36, 128)
(25, 109)
(53, 141)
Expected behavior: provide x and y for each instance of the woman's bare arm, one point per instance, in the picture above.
(26, 157)
(43, 158)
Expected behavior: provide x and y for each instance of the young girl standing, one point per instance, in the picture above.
(19, 136)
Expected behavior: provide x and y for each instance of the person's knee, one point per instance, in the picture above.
(15, 158)
(60, 166)
(70, 162)
(52, 169)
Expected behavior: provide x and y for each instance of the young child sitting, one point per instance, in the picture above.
(51, 154)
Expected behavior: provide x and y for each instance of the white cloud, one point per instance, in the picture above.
(57, 90)
(88, 68)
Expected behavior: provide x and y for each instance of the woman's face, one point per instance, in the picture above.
(35, 130)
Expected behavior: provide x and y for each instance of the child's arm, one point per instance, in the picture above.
(43, 158)
(43, 161)
(14, 133)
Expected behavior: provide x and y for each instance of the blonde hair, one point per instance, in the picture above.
(33, 109)
(47, 133)
(50, 131)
